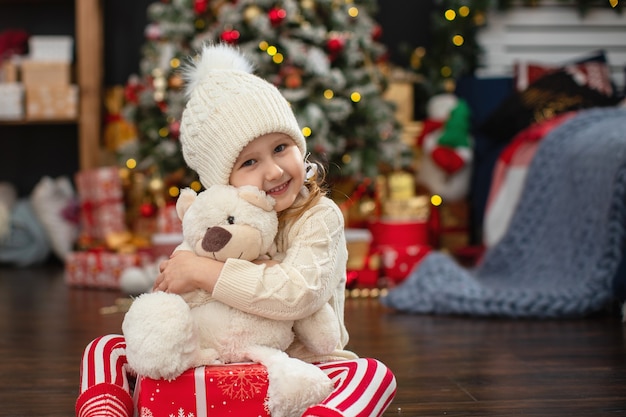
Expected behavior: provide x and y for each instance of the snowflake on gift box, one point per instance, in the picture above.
(239, 384)
(181, 413)
(146, 412)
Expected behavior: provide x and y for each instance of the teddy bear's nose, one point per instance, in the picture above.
(215, 239)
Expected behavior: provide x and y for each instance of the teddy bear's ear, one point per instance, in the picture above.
(257, 197)
(185, 199)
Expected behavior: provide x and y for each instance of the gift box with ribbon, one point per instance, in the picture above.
(401, 244)
(168, 220)
(217, 391)
(101, 198)
(99, 268)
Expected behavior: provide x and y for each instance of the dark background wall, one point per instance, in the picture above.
(405, 25)
(29, 152)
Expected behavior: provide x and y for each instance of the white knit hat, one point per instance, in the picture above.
(227, 108)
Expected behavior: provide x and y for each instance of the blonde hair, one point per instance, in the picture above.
(317, 188)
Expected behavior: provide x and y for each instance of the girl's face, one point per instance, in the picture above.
(273, 163)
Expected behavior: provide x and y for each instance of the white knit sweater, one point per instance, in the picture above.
(312, 253)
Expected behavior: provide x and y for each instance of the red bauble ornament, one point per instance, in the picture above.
(175, 129)
(147, 210)
(377, 32)
(162, 105)
(200, 6)
(335, 45)
(230, 36)
(277, 15)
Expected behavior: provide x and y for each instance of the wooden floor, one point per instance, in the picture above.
(444, 366)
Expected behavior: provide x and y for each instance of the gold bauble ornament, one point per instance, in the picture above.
(176, 81)
(251, 13)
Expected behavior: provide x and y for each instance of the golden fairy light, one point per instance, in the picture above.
(450, 14)
(458, 40)
(175, 63)
(271, 50)
(436, 200)
(156, 184)
(306, 131)
(353, 11)
(173, 191)
(163, 132)
(446, 71)
(355, 97)
(346, 158)
(263, 45)
(278, 58)
(131, 163)
(464, 11)
(195, 185)
(328, 94)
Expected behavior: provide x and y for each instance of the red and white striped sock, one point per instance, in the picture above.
(104, 400)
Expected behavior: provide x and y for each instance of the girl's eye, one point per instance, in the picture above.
(231, 220)
(248, 163)
(279, 148)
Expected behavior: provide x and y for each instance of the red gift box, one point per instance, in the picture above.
(235, 390)
(168, 221)
(401, 244)
(101, 202)
(398, 261)
(100, 269)
(400, 233)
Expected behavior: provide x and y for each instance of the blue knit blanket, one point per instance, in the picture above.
(564, 243)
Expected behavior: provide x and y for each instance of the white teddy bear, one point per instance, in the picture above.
(167, 334)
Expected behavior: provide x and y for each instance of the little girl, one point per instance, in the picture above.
(238, 129)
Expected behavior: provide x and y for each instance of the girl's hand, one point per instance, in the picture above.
(184, 271)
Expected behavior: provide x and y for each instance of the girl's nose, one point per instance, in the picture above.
(273, 172)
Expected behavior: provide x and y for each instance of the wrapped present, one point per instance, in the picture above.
(9, 71)
(163, 244)
(45, 73)
(102, 210)
(400, 233)
(57, 48)
(11, 101)
(100, 268)
(401, 93)
(51, 102)
(168, 221)
(363, 264)
(401, 245)
(398, 260)
(217, 391)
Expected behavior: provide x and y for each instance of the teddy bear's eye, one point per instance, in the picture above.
(231, 220)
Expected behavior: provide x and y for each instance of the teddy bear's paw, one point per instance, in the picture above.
(319, 332)
(160, 342)
(294, 386)
(207, 356)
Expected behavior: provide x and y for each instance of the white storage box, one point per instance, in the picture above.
(51, 48)
(11, 101)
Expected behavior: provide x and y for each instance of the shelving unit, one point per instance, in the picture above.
(89, 71)
(89, 46)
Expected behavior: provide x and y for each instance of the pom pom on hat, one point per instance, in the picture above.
(227, 108)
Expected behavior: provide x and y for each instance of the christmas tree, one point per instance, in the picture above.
(323, 55)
